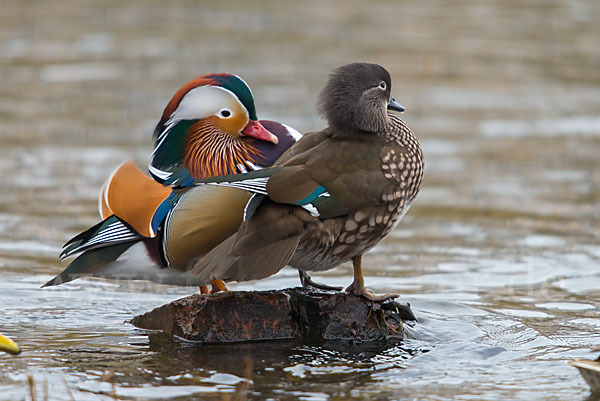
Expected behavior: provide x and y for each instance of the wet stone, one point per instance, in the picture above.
(291, 314)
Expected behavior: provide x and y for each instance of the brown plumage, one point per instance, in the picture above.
(369, 163)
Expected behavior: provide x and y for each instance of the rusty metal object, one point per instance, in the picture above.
(292, 314)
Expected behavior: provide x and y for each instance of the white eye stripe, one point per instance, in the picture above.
(225, 113)
(204, 101)
(383, 85)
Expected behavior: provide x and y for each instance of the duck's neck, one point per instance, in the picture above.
(211, 152)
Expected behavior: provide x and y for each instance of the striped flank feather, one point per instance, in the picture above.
(255, 185)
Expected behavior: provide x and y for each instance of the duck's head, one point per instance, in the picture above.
(8, 345)
(357, 96)
(208, 128)
(225, 99)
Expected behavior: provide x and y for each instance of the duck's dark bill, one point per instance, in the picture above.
(394, 105)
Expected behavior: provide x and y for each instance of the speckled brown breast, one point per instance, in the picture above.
(401, 163)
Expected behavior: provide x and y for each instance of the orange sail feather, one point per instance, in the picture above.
(132, 196)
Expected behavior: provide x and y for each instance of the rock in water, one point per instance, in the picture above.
(308, 316)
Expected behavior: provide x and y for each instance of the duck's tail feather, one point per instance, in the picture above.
(112, 230)
(90, 261)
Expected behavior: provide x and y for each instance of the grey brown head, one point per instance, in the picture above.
(357, 96)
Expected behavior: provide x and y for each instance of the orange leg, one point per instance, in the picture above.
(217, 286)
(203, 289)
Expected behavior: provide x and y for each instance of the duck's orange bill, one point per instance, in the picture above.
(256, 130)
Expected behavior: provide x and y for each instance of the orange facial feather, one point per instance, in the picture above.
(210, 152)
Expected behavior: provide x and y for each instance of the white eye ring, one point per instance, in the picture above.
(225, 113)
(383, 85)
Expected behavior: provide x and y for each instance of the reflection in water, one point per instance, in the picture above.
(498, 256)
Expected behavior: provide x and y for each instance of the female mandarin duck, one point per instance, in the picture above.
(333, 195)
(209, 128)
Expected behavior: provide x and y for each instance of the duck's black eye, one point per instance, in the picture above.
(225, 113)
(383, 85)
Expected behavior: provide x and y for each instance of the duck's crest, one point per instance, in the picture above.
(231, 82)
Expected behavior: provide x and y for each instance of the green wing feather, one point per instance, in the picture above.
(328, 207)
(167, 159)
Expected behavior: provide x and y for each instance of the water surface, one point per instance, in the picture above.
(498, 256)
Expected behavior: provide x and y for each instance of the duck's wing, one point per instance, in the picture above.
(274, 225)
(283, 184)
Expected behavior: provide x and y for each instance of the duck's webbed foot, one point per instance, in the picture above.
(361, 291)
(215, 286)
(307, 282)
(358, 285)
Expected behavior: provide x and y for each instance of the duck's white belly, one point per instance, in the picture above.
(136, 264)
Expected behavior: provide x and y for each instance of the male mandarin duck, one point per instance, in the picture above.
(8, 345)
(333, 195)
(208, 128)
(205, 130)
